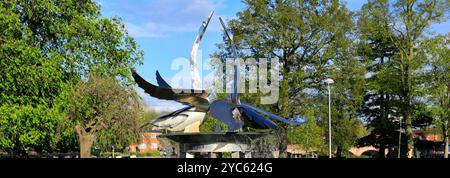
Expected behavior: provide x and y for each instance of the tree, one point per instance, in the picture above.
(146, 117)
(299, 34)
(401, 27)
(381, 101)
(309, 135)
(104, 111)
(438, 71)
(409, 20)
(46, 47)
(348, 96)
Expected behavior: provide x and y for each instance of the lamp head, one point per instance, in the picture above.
(329, 81)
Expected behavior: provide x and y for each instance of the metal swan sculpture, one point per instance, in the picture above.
(189, 118)
(231, 111)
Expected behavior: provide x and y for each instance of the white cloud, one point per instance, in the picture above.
(166, 106)
(147, 30)
(159, 18)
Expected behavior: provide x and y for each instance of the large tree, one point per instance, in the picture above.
(438, 72)
(299, 34)
(347, 98)
(409, 20)
(45, 48)
(103, 110)
(402, 25)
(381, 101)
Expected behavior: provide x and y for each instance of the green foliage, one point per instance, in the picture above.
(24, 127)
(75, 33)
(302, 38)
(226, 155)
(145, 118)
(309, 136)
(347, 98)
(409, 20)
(104, 107)
(438, 54)
(209, 125)
(149, 154)
(307, 37)
(392, 41)
(381, 103)
(46, 47)
(346, 132)
(109, 154)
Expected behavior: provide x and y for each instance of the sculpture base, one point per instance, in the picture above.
(213, 145)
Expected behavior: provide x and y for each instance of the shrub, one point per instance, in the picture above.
(149, 154)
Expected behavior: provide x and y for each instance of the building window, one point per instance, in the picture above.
(153, 135)
(154, 146)
(143, 146)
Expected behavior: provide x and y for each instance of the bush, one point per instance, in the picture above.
(226, 155)
(109, 154)
(149, 154)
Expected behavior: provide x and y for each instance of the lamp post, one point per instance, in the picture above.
(329, 81)
(399, 138)
(112, 151)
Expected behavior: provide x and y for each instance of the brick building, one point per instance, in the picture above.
(149, 143)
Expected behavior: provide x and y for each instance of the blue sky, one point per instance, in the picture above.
(166, 29)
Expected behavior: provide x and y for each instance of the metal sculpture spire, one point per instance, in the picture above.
(229, 34)
(195, 77)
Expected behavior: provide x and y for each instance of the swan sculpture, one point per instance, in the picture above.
(231, 111)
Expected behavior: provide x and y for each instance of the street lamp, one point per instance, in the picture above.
(399, 138)
(329, 81)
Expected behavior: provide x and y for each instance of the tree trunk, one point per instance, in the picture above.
(282, 136)
(284, 112)
(86, 140)
(409, 133)
(339, 152)
(445, 137)
(409, 89)
(408, 122)
(382, 152)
